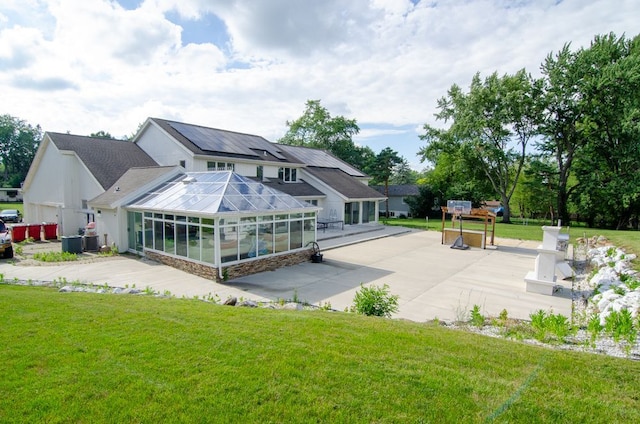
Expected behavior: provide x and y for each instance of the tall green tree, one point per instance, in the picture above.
(102, 134)
(403, 174)
(424, 204)
(607, 169)
(562, 119)
(383, 168)
(534, 196)
(490, 128)
(453, 178)
(317, 128)
(19, 142)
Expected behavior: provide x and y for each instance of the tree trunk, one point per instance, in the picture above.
(386, 193)
(506, 211)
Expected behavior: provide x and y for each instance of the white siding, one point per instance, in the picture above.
(165, 150)
(113, 223)
(246, 169)
(271, 171)
(56, 192)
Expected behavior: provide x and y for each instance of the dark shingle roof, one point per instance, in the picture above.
(130, 182)
(343, 183)
(106, 159)
(399, 190)
(299, 189)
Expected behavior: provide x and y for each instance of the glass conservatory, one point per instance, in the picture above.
(219, 218)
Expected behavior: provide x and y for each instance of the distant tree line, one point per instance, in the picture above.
(19, 142)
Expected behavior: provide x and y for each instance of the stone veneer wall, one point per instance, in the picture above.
(232, 271)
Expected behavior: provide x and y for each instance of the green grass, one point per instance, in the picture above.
(107, 358)
(12, 205)
(628, 239)
(55, 256)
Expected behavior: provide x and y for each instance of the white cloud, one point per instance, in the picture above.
(89, 65)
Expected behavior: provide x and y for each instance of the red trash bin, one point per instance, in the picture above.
(50, 230)
(18, 233)
(34, 231)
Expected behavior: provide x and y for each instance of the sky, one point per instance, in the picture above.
(83, 66)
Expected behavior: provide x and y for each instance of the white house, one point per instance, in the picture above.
(69, 170)
(272, 198)
(312, 175)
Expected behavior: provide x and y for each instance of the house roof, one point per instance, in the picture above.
(216, 142)
(343, 183)
(106, 159)
(131, 183)
(217, 192)
(400, 190)
(319, 158)
(298, 189)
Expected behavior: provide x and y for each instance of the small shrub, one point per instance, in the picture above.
(620, 325)
(559, 326)
(325, 306)
(518, 331)
(375, 301)
(537, 323)
(594, 327)
(503, 316)
(550, 326)
(149, 291)
(55, 256)
(632, 282)
(619, 290)
(477, 319)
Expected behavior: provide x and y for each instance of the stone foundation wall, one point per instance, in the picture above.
(201, 270)
(266, 264)
(232, 271)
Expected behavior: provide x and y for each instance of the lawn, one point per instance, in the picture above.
(19, 206)
(628, 240)
(77, 357)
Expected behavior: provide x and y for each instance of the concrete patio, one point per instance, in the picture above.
(432, 280)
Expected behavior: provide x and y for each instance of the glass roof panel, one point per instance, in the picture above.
(261, 204)
(214, 192)
(227, 206)
(242, 188)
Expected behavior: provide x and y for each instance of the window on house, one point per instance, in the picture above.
(220, 166)
(288, 175)
(183, 164)
(260, 172)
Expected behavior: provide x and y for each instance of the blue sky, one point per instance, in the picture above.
(250, 65)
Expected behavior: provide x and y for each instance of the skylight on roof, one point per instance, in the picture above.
(217, 192)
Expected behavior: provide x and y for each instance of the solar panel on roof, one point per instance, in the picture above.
(321, 159)
(214, 140)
